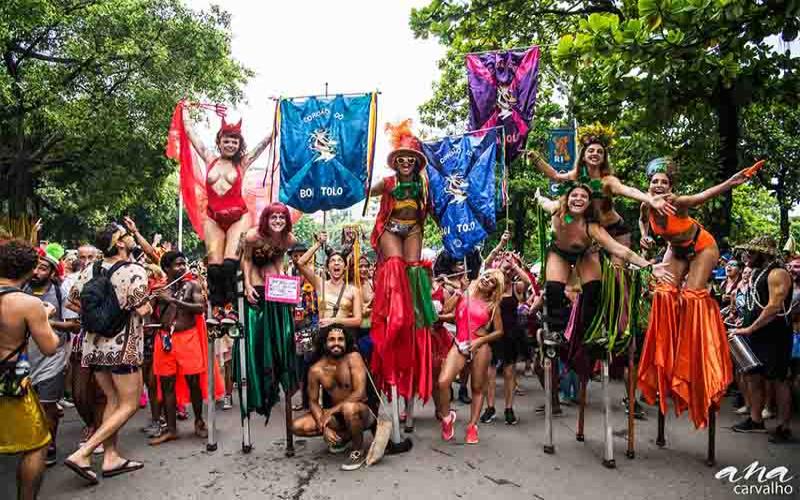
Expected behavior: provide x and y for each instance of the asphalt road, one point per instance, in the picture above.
(508, 463)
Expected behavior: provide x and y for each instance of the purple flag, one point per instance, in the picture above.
(502, 91)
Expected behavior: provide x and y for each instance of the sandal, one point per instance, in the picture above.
(127, 466)
(85, 473)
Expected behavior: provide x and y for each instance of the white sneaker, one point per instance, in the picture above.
(66, 403)
(766, 414)
(744, 410)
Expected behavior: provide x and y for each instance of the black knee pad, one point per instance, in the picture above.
(590, 301)
(216, 284)
(558, 306)
(230, 268)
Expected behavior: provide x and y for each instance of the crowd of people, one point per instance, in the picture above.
(121, 323)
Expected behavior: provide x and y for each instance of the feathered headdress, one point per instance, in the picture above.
(404, 141)
(597, 133)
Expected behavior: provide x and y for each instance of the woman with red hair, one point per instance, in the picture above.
(226, 212)
(271, 360)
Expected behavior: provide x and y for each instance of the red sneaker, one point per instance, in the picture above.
(472, 434)
(448, 426)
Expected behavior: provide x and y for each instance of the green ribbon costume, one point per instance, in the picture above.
(419, 283)
(270, 355)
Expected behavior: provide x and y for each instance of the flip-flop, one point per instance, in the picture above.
(127, 466)
(85, 473)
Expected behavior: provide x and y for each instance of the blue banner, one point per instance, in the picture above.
(326, 147)
(561, 151)
(461, 171)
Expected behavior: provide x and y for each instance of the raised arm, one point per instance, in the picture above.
(500, 246)
(306, 269)
(201, 149)
(254, 153)
(616, 187)
(549, 206)
(147, 248)
(703, 196)
(551, 173)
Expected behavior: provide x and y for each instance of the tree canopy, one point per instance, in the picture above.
(680, 77)
(86, 95)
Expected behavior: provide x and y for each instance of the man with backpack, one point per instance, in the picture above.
(111, 295)
(22, 318)
(48, 372)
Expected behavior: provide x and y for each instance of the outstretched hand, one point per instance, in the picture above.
(662, 204)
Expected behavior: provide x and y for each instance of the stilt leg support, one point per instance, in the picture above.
(660, 441)
(289, 435)
(581, 411)
(608, 452)
(711, 458)
(548, 406)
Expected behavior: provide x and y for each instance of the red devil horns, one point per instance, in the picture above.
(229, 128)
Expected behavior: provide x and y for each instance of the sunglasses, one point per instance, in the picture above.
(406, 160)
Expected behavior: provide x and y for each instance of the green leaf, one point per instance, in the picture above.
(565, 45)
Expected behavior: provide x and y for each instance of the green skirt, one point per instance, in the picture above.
(270, 355)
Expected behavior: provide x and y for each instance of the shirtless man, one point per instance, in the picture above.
(343, 377)
(22, 315)
(179, 349)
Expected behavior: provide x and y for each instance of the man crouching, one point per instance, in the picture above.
(345, 413)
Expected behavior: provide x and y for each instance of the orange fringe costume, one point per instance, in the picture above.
(685, 354)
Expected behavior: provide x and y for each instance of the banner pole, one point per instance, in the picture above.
(180, 217)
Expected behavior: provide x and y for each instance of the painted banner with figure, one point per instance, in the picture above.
(461, 171)
(561, 152)
(502, 91)
(327, 146)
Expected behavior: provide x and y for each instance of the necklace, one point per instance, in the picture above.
(751, 299)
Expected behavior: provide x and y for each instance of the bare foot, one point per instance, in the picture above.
(200, 429)
(79, 460)
(163, 438)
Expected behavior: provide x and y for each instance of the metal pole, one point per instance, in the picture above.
(711, 458)
(581, 411)
(409, 427)
(608, 454)
(660, 441)
(287, 401)
(630, 452)
(180, 218)
(247, 444)
(396, 438)
(211, 444)
(548, 405)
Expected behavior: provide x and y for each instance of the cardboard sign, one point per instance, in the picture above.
(282, 288)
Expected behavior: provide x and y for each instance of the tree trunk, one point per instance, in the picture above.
(727, 110)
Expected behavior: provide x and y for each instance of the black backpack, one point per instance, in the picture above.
(101, 313)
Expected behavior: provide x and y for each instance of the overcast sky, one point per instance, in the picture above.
(296, 46)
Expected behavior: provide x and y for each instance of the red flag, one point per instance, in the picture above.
(192, 177)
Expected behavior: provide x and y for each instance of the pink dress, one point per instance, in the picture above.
(471, 315)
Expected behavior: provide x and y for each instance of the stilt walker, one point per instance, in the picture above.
(402, 307)
(599, 307)
(685, 354)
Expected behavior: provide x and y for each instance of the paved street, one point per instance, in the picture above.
(508, 463)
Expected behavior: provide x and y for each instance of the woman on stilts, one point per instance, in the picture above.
(271, 358)
(227, 217)
(685, 353)
(573, 257)
(402, 307)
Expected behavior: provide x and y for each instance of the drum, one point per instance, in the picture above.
(742, 354)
